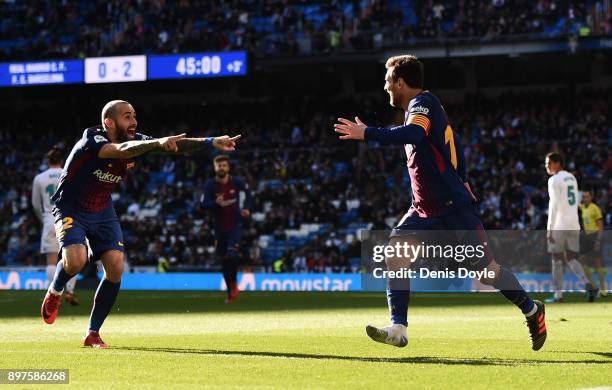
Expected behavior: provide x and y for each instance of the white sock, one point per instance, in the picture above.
(50, 273)
(70, 285)
(557, 271)
(54, 292)
(399, 327)
(577, 269)
(532, 311)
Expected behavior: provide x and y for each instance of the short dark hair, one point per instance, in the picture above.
(409, 68)
(110, 110)
(221, 157)
(555, 157)
(55, 156)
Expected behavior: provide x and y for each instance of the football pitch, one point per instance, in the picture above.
(169, 340)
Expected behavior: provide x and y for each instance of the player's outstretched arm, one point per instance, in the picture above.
(407, 134)
(176, 144)
(224, 143)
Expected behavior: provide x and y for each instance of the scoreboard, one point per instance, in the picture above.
(41, 72)
(95, 70)
(115, 69)
(197, 65)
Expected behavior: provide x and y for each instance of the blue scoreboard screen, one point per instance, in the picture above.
(123, 69)
(196, 65)
(41, 72)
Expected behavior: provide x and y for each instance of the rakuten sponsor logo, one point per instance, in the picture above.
(107, 177)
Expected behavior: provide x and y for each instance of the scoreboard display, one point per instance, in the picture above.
(197, 65)
(41, 73)
(117, 69)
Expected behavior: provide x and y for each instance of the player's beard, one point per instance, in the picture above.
(123, 135)
(221, 174)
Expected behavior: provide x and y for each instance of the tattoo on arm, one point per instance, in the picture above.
(136, 148)
(190, 145)
(185, 146)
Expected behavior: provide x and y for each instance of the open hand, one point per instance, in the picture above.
(350, 130)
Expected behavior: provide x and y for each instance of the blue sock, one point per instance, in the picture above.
(510, 288)
(398, 306)
(61, 277)
(103, 303)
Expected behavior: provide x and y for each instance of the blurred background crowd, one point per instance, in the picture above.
(77, 28)
(311, 191)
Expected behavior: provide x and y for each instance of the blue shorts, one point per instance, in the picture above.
(227, 240)
(102, 230)
(462, 226)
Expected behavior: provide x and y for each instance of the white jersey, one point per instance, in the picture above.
(43, 188)
(563, 203)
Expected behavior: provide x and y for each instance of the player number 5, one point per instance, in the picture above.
(571, 195)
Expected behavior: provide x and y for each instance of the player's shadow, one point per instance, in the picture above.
(401, 360)
(602, 354)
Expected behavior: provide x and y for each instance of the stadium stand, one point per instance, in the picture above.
(309, 188)
(70, 29)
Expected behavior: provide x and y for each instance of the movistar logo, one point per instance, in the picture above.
(419, 110)
(107, 177)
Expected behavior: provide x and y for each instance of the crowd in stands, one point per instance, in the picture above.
(78, 28)
(493, 19)
(302, 176)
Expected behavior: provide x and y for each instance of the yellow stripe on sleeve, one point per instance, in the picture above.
(420, 120)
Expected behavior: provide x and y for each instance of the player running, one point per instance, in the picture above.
(591, 244)
(83, 207)
(563, 227)
(43, 188)
(221, 195)
(441, 196)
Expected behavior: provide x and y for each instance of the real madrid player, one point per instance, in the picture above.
(43, 188)
(563, 227)
(83, 206)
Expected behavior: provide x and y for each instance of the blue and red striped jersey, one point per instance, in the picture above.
(436, 163)
(227, 214)
(87, 180)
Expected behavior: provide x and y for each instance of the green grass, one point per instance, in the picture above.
(163, 340)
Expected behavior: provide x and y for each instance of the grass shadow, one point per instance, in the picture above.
(602, 354)
(27, 303)
(399, 360)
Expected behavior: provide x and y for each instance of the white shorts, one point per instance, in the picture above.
(48, 241)
(564, 240)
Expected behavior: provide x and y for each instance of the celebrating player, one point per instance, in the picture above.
(563, 227)
(83, 207)
(43, 188)
(221, 195)
(591, 244)
(441, 196)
